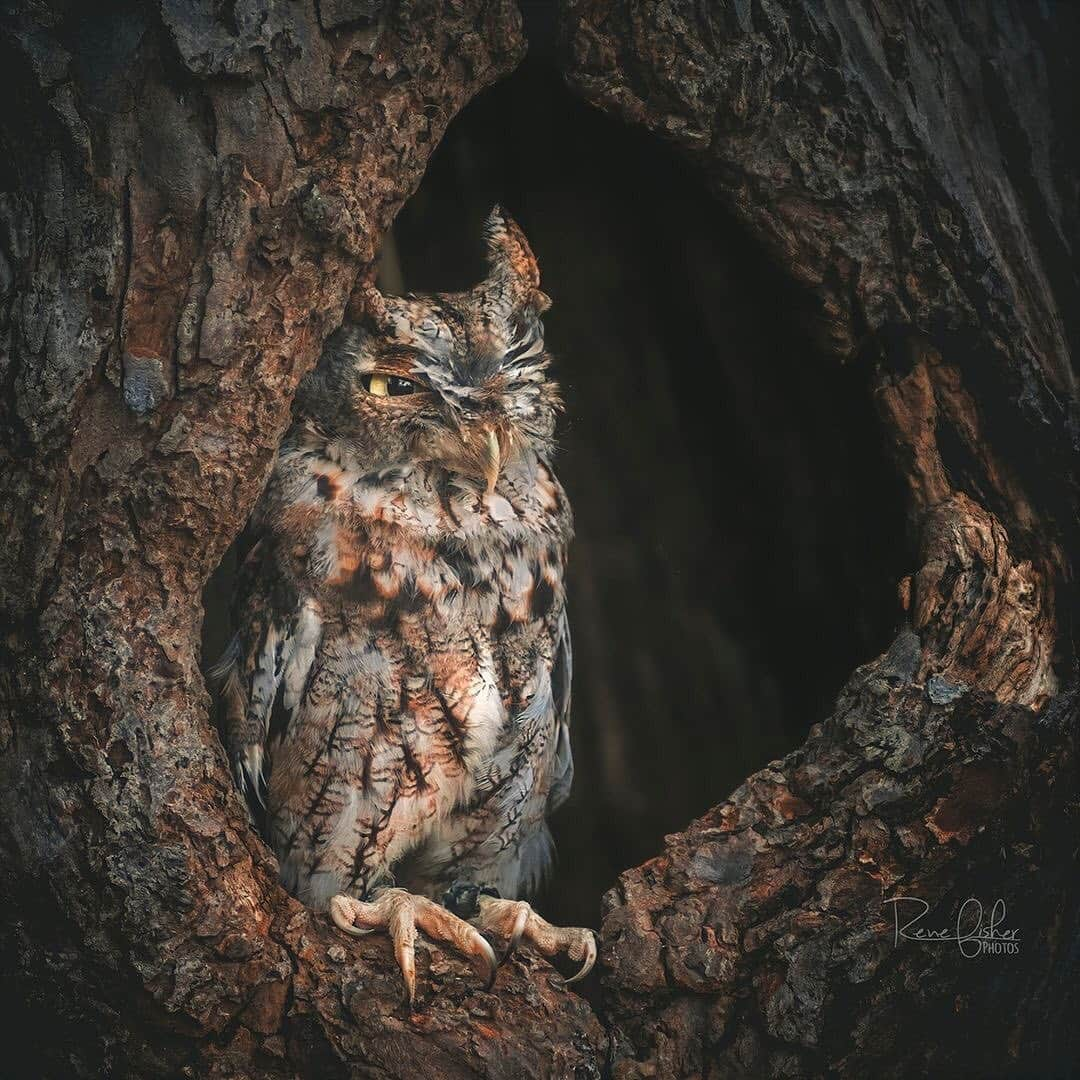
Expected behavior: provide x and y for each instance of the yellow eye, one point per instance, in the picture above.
(388, 385)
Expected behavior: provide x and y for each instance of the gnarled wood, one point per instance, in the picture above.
(901, 161)
(190, 191)
(193, 189)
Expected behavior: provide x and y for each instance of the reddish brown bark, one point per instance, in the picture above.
(191, 196)
(901, 162)
(190, 193)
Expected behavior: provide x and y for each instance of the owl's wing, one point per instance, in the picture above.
(263, 671)
(562, 671)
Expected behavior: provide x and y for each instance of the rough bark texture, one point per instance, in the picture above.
(190, 192)
(905, 163)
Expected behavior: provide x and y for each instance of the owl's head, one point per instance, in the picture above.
(455, 380)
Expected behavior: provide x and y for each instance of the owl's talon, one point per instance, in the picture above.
(589, 958)
(520, 922)
(400, 914)
(516, 921)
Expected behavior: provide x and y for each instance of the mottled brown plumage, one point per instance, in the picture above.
(398, 692)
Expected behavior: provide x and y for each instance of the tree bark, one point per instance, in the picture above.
(191, 191)
(906, 164)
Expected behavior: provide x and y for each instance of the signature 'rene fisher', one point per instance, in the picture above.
(973, 933)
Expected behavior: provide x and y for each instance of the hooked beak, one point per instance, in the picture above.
(492, 459)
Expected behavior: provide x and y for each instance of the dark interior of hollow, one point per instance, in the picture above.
(740, 530)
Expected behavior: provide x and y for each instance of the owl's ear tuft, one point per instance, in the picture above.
(367, 305)
(513, 270)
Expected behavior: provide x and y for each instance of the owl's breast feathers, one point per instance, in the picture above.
(401, 673)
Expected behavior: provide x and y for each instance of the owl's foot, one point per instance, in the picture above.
(515, 921)
(401, 914)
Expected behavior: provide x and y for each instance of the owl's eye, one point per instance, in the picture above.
(387, 385)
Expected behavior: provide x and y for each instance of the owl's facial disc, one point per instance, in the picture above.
(458, 424)
(459, 380)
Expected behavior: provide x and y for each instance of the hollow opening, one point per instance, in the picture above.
(740, 530)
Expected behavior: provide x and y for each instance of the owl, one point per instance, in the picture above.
(397, 697)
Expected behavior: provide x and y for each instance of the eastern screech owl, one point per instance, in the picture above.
(398, 693)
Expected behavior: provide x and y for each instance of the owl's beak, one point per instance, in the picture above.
(492, 458)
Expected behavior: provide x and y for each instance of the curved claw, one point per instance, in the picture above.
(401, 923)
(516, 932)
(590, 959)
(493, 966)
(486, 954)
(342, 919)
(516, 921)
(401, 914)
(441, 925)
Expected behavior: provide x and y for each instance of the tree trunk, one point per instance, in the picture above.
(191, 191)
(906, 164)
